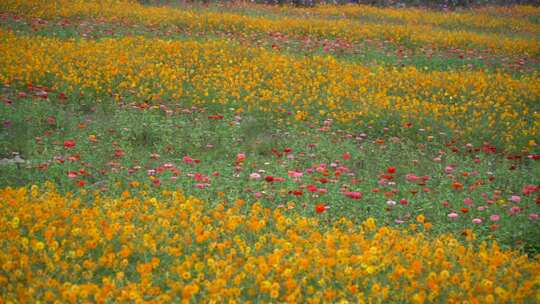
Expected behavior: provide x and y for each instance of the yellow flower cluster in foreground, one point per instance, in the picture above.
(72, 249)
(424, 35)
(472, 103)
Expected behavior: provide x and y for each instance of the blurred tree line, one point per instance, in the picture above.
(394, 3)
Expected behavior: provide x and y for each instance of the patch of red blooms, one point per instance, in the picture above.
(323, 180)
(297, 192)
(68, 144)
(489, 149)
(320, 208)
(529, 189)
(311, 188)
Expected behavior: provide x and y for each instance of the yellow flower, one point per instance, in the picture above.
(369, 224)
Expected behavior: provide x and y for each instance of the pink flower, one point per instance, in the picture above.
(254, 176)
(240, 157)
(514, 210)
(200, 186)
(72, 174)
(533, 216)
(258, 194)
(188, 160)
(168, 165)
(477, 221)
(515, 198)
(295, 174)
(411, 177)
(200, 178)
(448, 169)
(494, 217)
(468, 201)
(453, 215)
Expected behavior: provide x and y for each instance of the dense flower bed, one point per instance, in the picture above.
(68, 248)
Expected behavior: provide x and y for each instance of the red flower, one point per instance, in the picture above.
(118, 153)
(68, 144)
(216, 116)
(464, 210)
(391, 170)
(81, 183)
(353, 194)
(346, 156)
(320, 208)
(311, 188)
(297, 192)
(534, 156)
(269, 178)
(287, 150)
(403, 202)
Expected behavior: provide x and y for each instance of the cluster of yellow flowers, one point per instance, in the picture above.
(65, 248)
(424, 34)
(468, 102)
(512, 19)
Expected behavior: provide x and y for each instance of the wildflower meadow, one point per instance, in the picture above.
(171, 152)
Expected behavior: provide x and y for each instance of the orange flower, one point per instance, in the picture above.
(457, 186)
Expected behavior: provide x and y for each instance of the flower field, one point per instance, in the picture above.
(255, 153)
